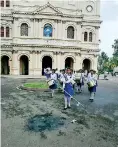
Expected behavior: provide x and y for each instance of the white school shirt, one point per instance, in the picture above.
(73, 76)
(67, 79)
(62, 77)
(54, 76)
(92, 78)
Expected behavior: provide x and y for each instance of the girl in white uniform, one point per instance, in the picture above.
(92, 89)
(53, 76)
(47, 72)
(68, 88)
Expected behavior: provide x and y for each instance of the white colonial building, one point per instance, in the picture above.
(56, 34)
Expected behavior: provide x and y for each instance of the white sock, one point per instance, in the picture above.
(65, 99)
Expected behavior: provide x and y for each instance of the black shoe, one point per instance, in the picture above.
(65, 108)
(91, 100)
(69, 107)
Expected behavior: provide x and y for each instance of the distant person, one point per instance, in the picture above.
(92, 84)
(105, 75)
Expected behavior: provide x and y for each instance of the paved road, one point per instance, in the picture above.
(106, 100)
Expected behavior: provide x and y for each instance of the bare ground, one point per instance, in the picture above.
(89, 130)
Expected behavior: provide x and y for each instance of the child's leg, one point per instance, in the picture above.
(69, 100)
(80, 87)
(52, 92)
(92, 96)
(65, 99)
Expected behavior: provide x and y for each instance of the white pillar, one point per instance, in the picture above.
(39, 63)
(31, 29)
(62, 61)
(31, 64)
(16, 28)
(78, 62)
(56, 29)
(59, 29)
(36, 26)
(79, 33)
(55, 60)
(97, 35)
(64, 31)
(15, 64)
(10, 64)
(40, 33)
(59, 61)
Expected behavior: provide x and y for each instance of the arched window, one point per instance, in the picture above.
(24, 29)
(7, 3)
(90, 37)
(7, 31)
(85, 36)
(2, 3)
(2, 31)
(47, 31)
(70, 32)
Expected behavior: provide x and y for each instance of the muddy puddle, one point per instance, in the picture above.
(40, 123)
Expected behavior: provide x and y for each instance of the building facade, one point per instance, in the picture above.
(56, 34)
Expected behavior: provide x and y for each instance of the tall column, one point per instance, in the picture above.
(10, 33)
(36, 26)
(15, 63)
(16, 28)
(10, 64)
(79, 32)
(97, 35)
(39, 63)
(62, 61)
(55, 60)
(59, 63)
(32, 28)
(59, 29)
(31, 64)
(63, 30)
(40, 33)
(78, 64)
(56, 29)
(36, 63)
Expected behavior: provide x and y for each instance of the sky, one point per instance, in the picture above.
(109, 26)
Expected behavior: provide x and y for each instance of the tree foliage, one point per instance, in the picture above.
(107, 64)
(115, 47)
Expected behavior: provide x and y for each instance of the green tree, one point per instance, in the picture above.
(115, 47)
(103, 61)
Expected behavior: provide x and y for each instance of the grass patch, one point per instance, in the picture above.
(40, 85)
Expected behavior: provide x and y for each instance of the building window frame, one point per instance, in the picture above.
(85, 36)
(24, 29)
(90, 37)
(7, 3)
(48, 28)
(2, 31)
(71, 32)
(2, 3)
(7, 32)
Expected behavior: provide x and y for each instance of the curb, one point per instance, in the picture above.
(34, 89)
(23, 77)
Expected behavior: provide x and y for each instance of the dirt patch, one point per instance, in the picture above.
(88, 130)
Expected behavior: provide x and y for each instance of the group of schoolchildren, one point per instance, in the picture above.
(71, 81)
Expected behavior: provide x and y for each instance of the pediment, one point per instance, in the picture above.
(48, 9)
